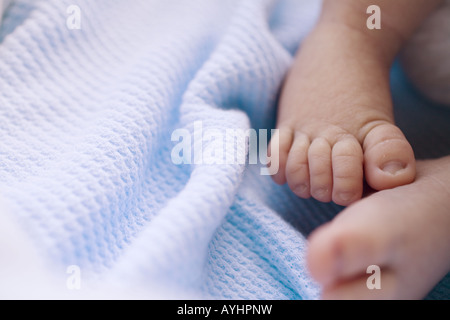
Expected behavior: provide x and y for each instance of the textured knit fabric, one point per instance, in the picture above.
(86, 173)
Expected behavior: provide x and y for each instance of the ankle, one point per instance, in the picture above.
(358, 42)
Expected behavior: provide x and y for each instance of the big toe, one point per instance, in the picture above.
(388, 158)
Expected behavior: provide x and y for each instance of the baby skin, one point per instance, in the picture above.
(336, 130)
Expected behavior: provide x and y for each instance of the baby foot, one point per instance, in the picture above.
(404, 231)
(336, 126)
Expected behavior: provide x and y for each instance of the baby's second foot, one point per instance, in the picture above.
(335, 123)
(403, 231)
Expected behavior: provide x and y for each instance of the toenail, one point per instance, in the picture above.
(321, 192)
(346, 196)
(301, 189)
(393, 167)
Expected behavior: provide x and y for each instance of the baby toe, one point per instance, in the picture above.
(279, 148)
(388, 158)
(320, 171)
(297, 168)
(347, 159)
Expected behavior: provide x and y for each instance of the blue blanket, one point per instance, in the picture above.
(90, 186)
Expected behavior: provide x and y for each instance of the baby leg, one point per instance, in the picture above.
(426, 56)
